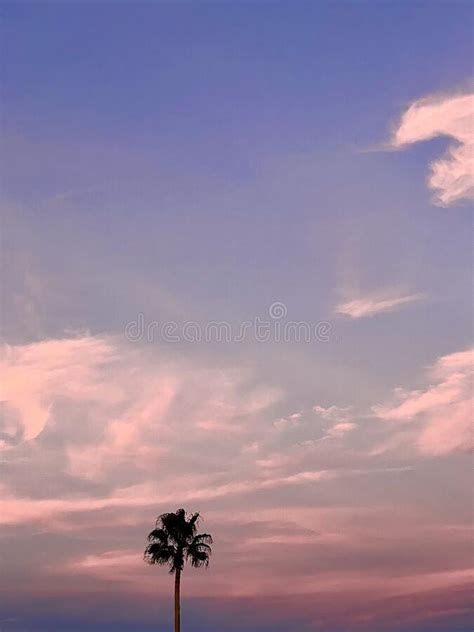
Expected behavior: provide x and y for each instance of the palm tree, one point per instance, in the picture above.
(174, 541)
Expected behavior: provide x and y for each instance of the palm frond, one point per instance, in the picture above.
(193, 522)
(204, 538)
(199, 550)
(198, 558)
(158, 553)
(158, 534)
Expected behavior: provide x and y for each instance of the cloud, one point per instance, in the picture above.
(376, 303)
(124, 391)
(107, 413)
(342, 420)
(37, 375)
(442, 412)
(314, 435)
(333, 413)
(341, 429)
(452, 176)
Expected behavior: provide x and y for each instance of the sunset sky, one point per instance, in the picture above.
(236, 277)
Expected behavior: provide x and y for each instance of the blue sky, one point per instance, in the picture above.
(201, 161)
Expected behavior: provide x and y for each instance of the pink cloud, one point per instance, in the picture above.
(129, 394)
(443, 409)
(334, 537)
(35, 375)
(452, 176)
(380, 302)
(339, 430)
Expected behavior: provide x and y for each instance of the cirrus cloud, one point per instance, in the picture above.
(442, 411)
(373, 303)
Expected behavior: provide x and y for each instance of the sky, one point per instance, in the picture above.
(236, 278)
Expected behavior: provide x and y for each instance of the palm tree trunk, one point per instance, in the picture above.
(177, 606)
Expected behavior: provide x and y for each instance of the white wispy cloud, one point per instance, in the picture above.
(380, 302)
(452, 176)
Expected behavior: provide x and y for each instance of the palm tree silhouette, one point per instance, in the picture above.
(173, 542)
